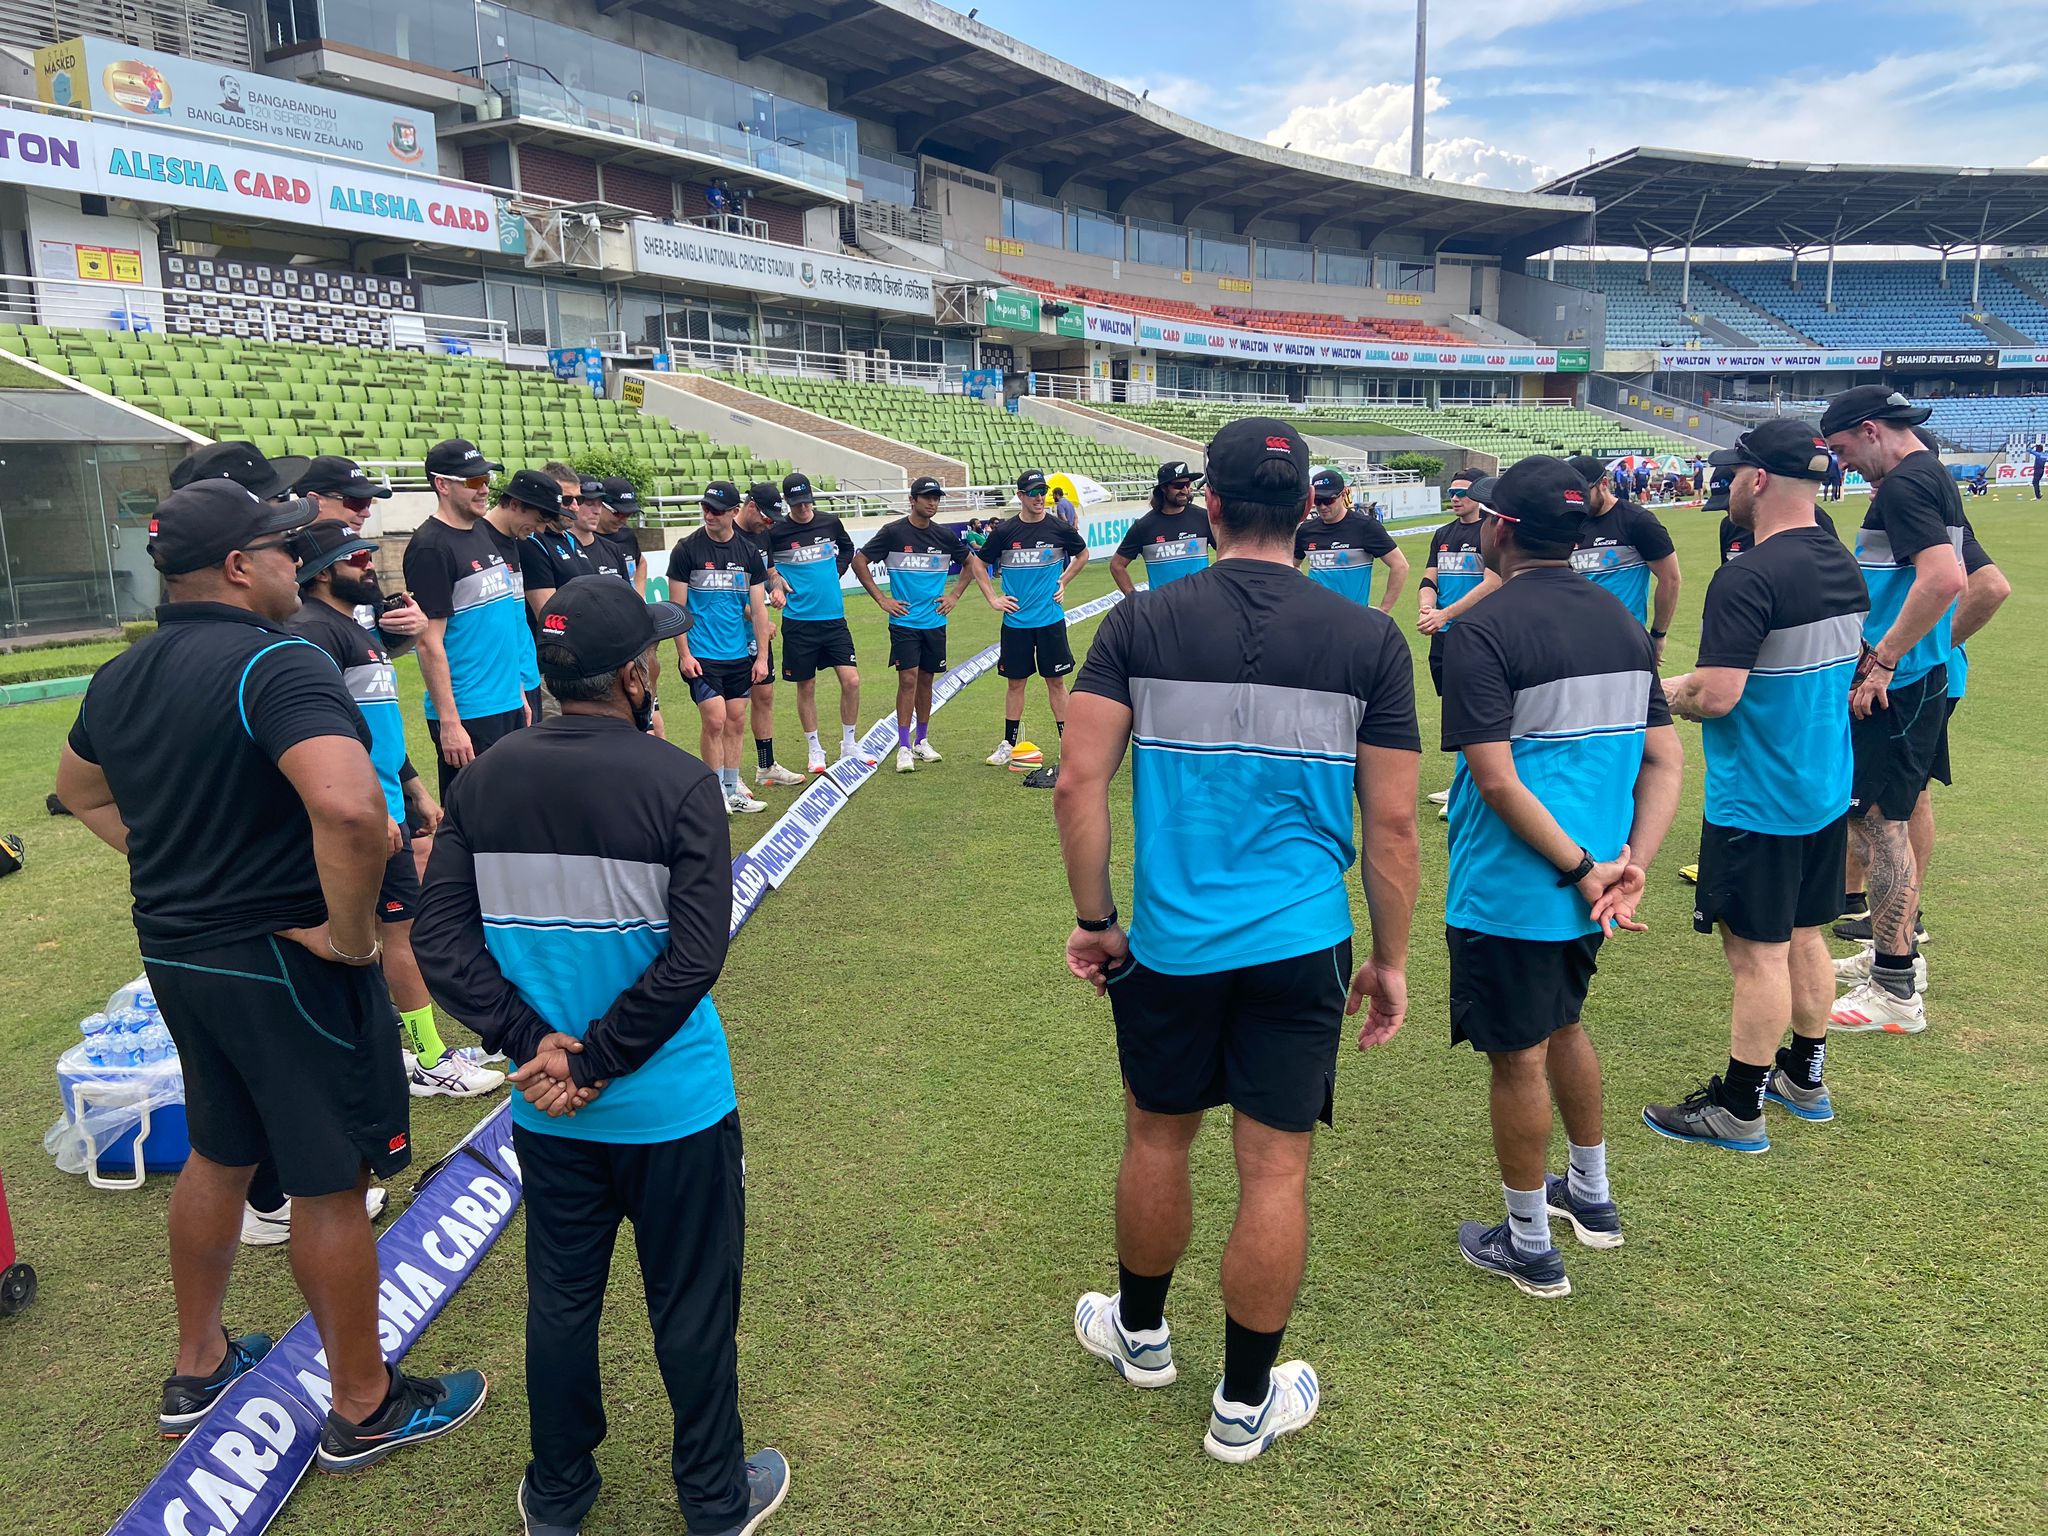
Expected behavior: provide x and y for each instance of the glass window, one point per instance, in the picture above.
(1033, 223)
(1158, 245)
(640, 318)
(783, 333)
(1220, 253)
(579, 314)
(732, 327)
(1095, 234)
(886, 181)
(1287, 263)
(437, 32)
(1351, 268)
(822, 337)
(1415, 277)
(449, 294)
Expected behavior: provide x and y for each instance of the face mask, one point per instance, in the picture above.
(643, 712)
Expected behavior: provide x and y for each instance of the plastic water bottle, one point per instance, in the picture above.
(145, 1004)
(124, 1040)
(93, 1027)
(156, 1043)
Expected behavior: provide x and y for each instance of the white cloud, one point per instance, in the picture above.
(1372, 127)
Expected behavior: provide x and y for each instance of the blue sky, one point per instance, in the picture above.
(1526, 89)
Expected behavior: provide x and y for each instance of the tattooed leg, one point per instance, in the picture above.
(1893, 882)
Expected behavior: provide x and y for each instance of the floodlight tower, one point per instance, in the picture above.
(1421, 66)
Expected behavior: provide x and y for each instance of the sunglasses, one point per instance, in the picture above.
(474, 482)
(357, 503)
(1502, 516)
(720, 511)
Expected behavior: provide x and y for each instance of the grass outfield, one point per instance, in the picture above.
(1843, 1335)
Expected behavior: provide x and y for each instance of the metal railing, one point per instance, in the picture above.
(888, 501)
(875, 367)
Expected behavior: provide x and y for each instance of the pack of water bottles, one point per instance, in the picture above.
(123, 1092)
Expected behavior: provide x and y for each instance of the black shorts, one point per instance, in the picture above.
(1436, 662)
(1509, 994)
(1262, 1039)
(1895, 747)
(917, 650)
(1763, 885)
(398, 898)
(730, 680)
(808, 644)
(1941, 768)
(483, 733)
(288, 1056)
(1043, 650)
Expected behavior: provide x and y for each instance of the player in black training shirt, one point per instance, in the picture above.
(1621, 546)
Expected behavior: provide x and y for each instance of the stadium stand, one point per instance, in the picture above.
(1505, 431)
(1649, 314)
(380, 407)
(1883, 303)
(1987, 423)
(1293, 321)
(995, 445)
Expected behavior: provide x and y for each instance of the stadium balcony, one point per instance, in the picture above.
(381, 408)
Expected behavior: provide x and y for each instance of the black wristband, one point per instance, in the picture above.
(1096, 924)
(1659, 634)
(1573, 877)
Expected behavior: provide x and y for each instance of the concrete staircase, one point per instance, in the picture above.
(912, 461)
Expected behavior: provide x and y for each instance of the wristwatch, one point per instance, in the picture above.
(1574, 876)
(1096, 924)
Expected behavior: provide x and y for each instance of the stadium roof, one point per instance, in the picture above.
(963, 92)
(1655, 198)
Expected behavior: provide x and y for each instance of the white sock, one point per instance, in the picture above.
(729, 780)
(811, 741)
(1528, 1219)
(1587, 1176)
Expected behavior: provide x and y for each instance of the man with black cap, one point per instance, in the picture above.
(609, 920)
(1455, 577)
(615, 523)
(265, 479)
(1173, 538)
(551, 555)
(1267, 718)
(528, 503)
(722, 577)
(754, 520)
(223, 757)
(1622, 545)
(472, 653)
(1340, 545)
(811, 550)
(918, 553)
(1736, 538)
(1568, 775)
(1034, 556)
(1779, 642)
(1909, 548)
(341, 492)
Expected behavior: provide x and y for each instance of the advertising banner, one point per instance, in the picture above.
(1011, 310)
(734, 261)
(2023, 357)
(1574, 360)
(1940, 359)
(1072, 324)
(1839, 360)
(1283, 347)
(170, 92)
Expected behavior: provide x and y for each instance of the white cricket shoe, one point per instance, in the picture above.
(450, 1077)
(1000, 758)
(776, 774)
(816, 765)
(859, 755)
(1441, 797)
(740, 803)
(477, 1056)
(1871, 1009)
(1142, 1359)
(266, 1229)
(1854, 970)
(1240, 1431)
(906, 761)
(925, 752)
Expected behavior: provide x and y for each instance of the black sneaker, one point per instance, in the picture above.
(1855, 928)
(1047, 777)
(188, 1399)
(421, 1408)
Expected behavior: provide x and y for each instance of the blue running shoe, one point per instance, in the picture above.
(1240, 1431)
(767, 1486)
(421, 1408)
(188, 1399)
(1701, 1117)
(1493, 1250)
(1143, 1360)
(1598, 1225)
(1807, 1103)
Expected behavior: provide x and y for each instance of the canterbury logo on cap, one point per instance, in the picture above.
(1574, 499)
(1280, 445)
(555, 624)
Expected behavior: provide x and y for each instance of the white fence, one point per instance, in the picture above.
(876, 367)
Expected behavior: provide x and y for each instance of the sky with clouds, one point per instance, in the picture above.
(1524, 90)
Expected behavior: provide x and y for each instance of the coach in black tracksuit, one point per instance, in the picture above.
(609, 915)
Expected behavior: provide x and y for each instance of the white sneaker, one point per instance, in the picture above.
(450, 1077)
(740, 803)
(477, 1056)
(1239, 1431)
(1000, 758)
(1144, 1360)
(816, 765)
(1441, 797)
(925, 752)
(266, 1229)
(859, 754)
(1854, 970)
(776, 774)
(1870, 1008)
(906, 762)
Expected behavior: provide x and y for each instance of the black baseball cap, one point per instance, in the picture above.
(620, 496)
(925, 485)
(797, 487)
(1544, 497)
(603, 624)
(531, 488)
(1590, 468)
(458, 458)
(1176, 470)
(1780, 446)
(1033, 483)
(327, 541)
(765, 495)
(590, 488)
(1870, 402)
(1482, 489)
(1468, 475)
(242, 463)
(723, 495)
(1718, 483)
(201, 524)
(332, 475)
(1236, 453)
(1329, 484)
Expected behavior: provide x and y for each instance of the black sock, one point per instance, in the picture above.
(1894, 972)
(1803, 1059)
(1855, 903)
(764, 752)
(1742, 1090)
(384, 1407)
(1248, 1357)
(1010, 728)
(1142, 1306)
